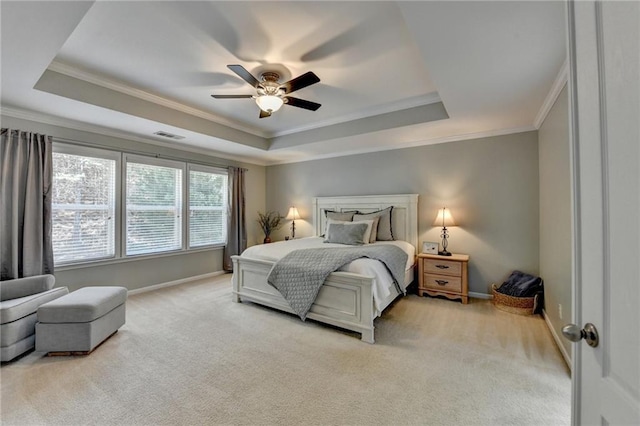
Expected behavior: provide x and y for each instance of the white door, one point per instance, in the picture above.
(605, 90)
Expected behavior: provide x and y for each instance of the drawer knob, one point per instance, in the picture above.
(442, 267)
(442, 282)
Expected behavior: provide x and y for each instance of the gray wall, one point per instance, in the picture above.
(555, 214)
(142, 272)
(490, 185)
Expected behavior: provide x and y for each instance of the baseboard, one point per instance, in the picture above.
(556, 338)
(176, 282)
(476, 295)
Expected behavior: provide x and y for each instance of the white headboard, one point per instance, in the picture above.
(404, 214)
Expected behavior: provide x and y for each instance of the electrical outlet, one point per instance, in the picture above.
(560, 310)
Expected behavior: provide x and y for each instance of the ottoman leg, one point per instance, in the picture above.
(75, 353)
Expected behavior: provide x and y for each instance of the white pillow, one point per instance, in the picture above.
(374, 229)
(367, 233)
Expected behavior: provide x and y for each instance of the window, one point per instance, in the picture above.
(83, 204)
(114, 205)
(153, 205)
(207, 206)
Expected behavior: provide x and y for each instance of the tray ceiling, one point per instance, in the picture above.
(392, 74)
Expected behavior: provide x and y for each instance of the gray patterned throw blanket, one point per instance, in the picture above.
(299, 275)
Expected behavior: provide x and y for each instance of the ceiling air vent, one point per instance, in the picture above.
(168, 135)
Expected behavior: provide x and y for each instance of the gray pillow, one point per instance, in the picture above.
(385, 229)
(346, 233)
(346, 216)
(374, 228)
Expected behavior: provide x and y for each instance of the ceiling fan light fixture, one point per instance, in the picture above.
(270, 94)
(269, 103)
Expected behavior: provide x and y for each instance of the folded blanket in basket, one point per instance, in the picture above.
(520, 284)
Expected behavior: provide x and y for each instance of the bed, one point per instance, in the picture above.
(346, 299)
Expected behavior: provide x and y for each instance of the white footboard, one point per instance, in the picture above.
(345, 300)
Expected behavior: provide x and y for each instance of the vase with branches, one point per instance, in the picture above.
(269, 221)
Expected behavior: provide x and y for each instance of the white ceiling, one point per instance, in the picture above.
(393, 74)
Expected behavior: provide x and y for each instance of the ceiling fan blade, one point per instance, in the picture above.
(306, 79)
(244, 74)
(231, 96)
(301, 103)
(264, 114)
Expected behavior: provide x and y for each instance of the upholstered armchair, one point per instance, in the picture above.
(19, 301)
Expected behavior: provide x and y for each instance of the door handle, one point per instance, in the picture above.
(575, 334)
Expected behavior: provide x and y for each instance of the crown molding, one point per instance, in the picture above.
(92, 128)
(433, 141)
(102, 81)
(85, 127)
(117, 86)
(552, 96)
(412, 102)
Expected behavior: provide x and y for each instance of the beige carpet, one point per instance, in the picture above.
(188, 355)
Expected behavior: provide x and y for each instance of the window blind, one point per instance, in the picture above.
(109, 204)
(153, 208)
(207, 208)
(83, 208)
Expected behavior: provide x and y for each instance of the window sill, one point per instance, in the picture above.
(104, 262)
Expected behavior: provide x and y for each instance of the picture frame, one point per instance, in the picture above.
(429, 247)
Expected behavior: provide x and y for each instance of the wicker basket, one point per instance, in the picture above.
(515, 305)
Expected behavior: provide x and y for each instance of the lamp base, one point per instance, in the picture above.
(445, 242)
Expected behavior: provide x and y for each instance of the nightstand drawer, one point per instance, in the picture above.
(443, 267)
(443, 283)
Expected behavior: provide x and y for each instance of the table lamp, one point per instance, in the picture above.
(444, 219)
(293, 215)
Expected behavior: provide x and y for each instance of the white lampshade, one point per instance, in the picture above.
(293, 214)
(444, 218)
(269, 103)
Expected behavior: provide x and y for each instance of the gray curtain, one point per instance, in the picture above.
(236, 223)
(25, 204)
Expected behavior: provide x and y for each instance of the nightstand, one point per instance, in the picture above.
(443, 276)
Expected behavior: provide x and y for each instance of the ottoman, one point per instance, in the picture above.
(77, 323)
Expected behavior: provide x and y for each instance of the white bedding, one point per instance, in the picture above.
(383, 282)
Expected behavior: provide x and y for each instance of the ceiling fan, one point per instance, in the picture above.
(270, 94)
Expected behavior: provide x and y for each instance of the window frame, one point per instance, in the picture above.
(160, 162)
(85, 151)
(212, 170)
(121, 157)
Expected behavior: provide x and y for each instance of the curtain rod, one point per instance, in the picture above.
(133, 151)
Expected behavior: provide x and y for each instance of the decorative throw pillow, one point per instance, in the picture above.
(368, 232)
(374, 228)
(385, 230)
(346, 233)
(346, 216)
